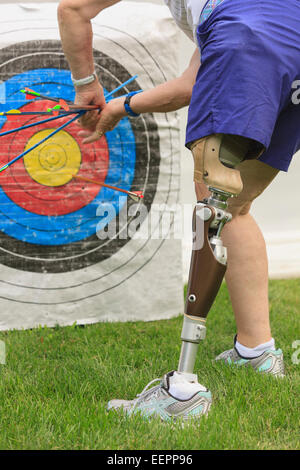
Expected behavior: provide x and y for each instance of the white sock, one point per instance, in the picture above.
(184, 386)
(254, 352)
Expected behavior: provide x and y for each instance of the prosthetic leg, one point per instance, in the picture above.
(215, 158)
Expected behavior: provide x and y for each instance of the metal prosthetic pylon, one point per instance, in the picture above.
(208, 267)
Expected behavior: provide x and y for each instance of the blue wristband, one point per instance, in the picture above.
(127, 105)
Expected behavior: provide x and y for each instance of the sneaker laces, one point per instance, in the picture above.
(146, 392)
(226, 354)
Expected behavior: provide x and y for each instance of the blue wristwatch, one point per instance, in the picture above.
(127, 104)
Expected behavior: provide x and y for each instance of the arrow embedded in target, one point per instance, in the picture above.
(135, 195)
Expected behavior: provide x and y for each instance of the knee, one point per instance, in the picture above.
(241, 204)
(239, 207)
(256, 178)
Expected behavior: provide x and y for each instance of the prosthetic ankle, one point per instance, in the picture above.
(215, 158)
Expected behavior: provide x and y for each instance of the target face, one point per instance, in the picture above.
(48, 219)
(58, 266)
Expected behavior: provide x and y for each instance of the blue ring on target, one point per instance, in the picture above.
(85, 222)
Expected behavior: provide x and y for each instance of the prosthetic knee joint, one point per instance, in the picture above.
(215, 158)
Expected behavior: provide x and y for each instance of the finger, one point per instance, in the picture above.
(93, 137)
(84, 133)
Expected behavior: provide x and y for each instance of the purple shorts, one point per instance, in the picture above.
(246, 84)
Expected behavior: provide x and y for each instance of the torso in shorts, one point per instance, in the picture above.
(250, 62)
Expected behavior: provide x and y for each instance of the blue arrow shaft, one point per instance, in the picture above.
(120, 87)
(41, 141)
(27, 126)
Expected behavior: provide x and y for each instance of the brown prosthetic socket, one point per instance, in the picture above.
(216, 156)
(206, 275)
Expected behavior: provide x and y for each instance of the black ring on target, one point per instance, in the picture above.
(80, 254)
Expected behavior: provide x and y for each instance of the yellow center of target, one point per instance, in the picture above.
(54, 162)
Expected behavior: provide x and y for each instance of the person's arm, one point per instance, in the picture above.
(171, 95)
(74, 19)
(168, 96)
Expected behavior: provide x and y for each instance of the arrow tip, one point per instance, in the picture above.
(139, 194)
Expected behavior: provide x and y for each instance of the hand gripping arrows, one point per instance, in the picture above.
(61, 109)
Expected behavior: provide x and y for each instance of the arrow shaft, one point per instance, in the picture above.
(88, 180)
(34, 113)
(27, 126)
(43, 97)
(39, 143)
(121, 86)
(115, 188)
(74, 106)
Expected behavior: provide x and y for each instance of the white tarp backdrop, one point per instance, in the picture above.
(54, 268)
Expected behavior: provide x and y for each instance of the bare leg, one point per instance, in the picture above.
(247, 280)
(247, 272)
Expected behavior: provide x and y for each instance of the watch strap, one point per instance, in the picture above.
(85, 80)
(127, 104)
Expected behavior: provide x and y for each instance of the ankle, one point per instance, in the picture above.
(252, 341)
(258, 350)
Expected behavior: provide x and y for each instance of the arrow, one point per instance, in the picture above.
(31, 94)
(16, 112)
(66, 104)
(40, 142)
(135, 195)
(27, 126)
(121, 86)
(74, 107)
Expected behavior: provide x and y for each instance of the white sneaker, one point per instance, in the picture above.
(192, 400)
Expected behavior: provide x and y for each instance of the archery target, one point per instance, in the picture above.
(40, 202)
(53, 226)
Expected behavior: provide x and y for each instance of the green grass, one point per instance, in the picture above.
(56, 383)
